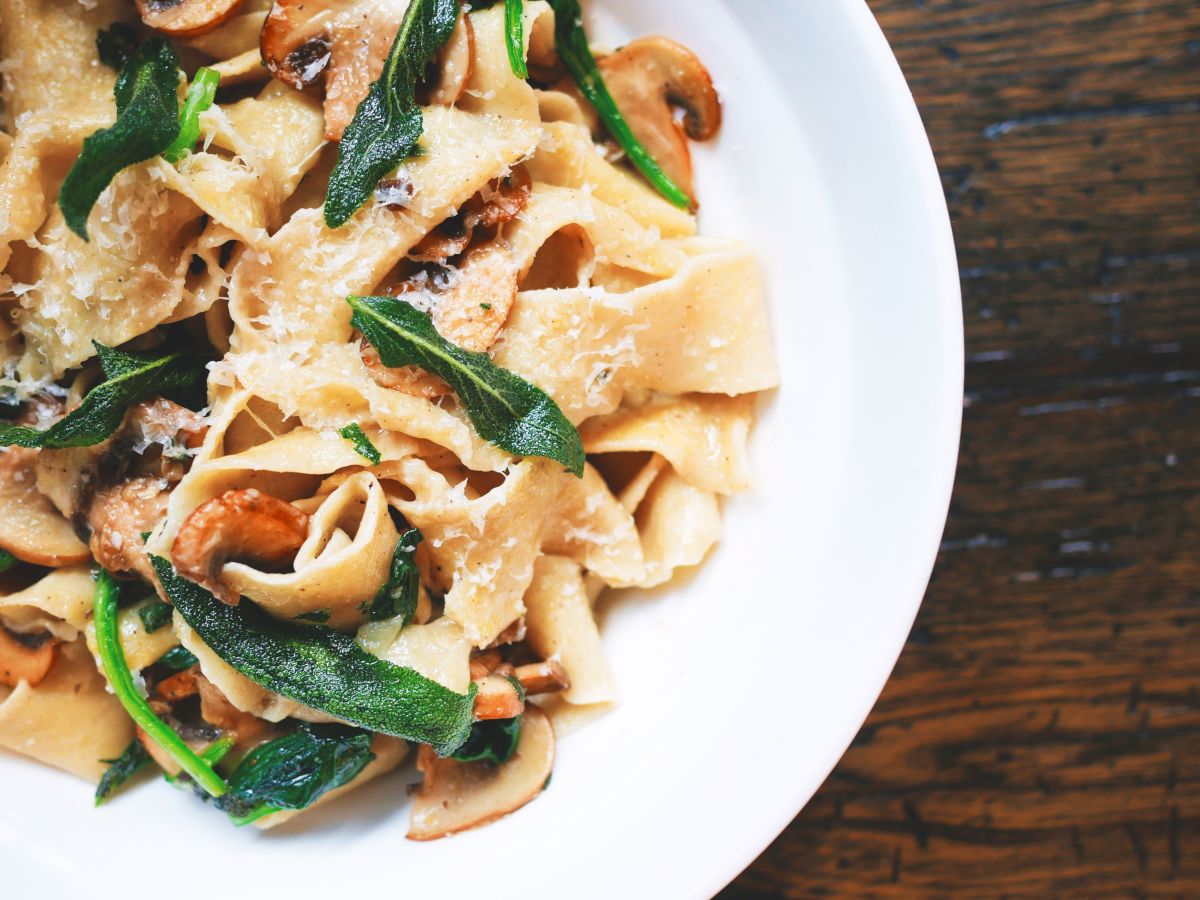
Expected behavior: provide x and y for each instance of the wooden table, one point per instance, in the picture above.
(1041, 734)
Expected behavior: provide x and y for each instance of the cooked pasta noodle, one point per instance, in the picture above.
(556, 259)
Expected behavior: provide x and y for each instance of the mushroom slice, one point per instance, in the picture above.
(21, 662)
(500, 202)
(179, 686)
(497, 698)
(217, 711)
(649, 79)
(456, 63)
(31, 529)
(186, 18)
(244, 525)
(476, 306)
(546, 677)
(119, 516)
(456, 796)
(409, 379)
(295, 40)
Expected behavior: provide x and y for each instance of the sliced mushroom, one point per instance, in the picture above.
(546, 677)
(456, 796)
(179, 686)
(21, 661)
(186, 18)
(649, 79)
(497, 698)
(479, 300)
(484, 662)
(31, 529)
(244, 525)
(119, 516)
(500, 202)
(217, 711)
(348, 42)
(409, 379)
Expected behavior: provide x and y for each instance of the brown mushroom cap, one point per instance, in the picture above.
(649, 79)
(457, 796)
(242, 525)
(186, 18)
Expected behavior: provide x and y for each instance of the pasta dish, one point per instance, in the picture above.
(351, 350)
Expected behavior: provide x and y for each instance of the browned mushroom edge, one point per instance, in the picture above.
(650, 79)
(244, 525)
(186, 18)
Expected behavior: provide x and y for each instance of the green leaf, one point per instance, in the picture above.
(504, 408)
(388, 123)
(493, 742)
(355, 435)
(147, 123)
(323, 669)
(116, 44)
(200, 97)
(7, 560)
(129, 379)
(514, 35)
(212, 754)
(120, 679)
(294, 771)
(155, 616)
(132, 760)
(177, 659)
(572, 44)
(398, 597)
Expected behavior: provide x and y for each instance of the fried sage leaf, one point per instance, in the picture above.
(572, 44)
(398, 597)
(388, 123)
(322, 668)
(504, 408)
(296, 770)
(132, 760)
(362, 444)
(147, 122)
(493, 742)
(129, 378)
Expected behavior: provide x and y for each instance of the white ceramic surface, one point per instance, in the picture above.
(744, 684)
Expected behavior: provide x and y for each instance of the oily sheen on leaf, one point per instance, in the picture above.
(504, 408)
(322, 668)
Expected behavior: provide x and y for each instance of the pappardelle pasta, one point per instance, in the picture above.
(351, 349)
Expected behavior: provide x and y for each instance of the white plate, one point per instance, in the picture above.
(744, 685)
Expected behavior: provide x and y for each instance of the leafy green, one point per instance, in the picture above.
(155, 615)
(388, 123)
(200, 97)
(129, 379)
(147, 123)
(355, 435)
(572, 44)
(294, 771)
(504, 408)
(212, 754)
(318, 616)
(493, 742)
(7, 560)
(323, 669)
(398, 597)
(514, 34)
(120, 679)
(116, 44)
(177, 659)
(132, 760)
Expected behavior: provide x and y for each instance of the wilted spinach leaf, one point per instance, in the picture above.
(493, 742)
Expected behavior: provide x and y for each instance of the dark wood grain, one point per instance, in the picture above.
(1041, 734)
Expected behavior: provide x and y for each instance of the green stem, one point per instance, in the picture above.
(572, 44)
(200, 97)
(514, 32)
(112, 658)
